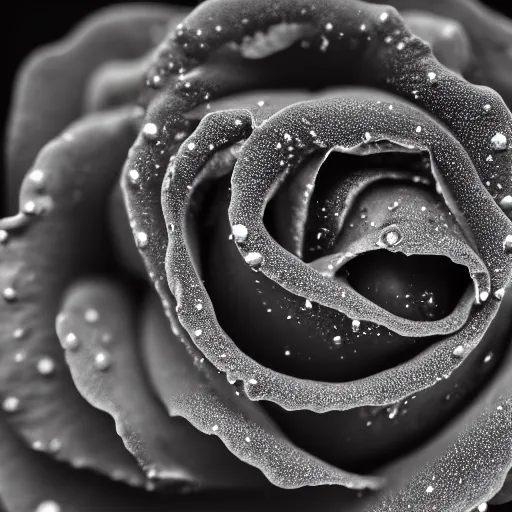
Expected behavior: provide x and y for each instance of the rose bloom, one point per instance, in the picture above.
(261, 261)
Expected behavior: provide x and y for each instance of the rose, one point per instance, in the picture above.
(63, 198)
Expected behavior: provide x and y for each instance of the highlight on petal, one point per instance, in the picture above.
(53, 241)
(50, 87)
(106, 368)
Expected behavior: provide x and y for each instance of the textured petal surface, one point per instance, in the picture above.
(190, 388)
(107, 370)
(53, 241)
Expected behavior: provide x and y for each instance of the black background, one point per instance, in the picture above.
(28, 24)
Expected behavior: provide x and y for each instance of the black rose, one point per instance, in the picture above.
(306, 257)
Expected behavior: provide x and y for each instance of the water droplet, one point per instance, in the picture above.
(308, 304)
(215, 428)
(102, 361)
(488, 357)
(20, 356)
(482, 507)
(11, 404)
(141, 239)
(30, 208)
(48, 506)
(507, 244)
(499, 293)
(37, 178)
(431, 76)
(9, 294)
(18, 333)
(384, 16)
(255, 258)
(253, 382)
(484, 296)
(429, 489)
(54, 445)
(337, 340)
(356, 325)
(506, 203)
(4, 236)
(392, 238)
(487, 108)
(287, 353)
(247, 439)
(198, 332)
(191, 146)
(239, 232)
(150, 131)
(46, 366)
(133, 176)
(499, 142)
(91, 315)
(71, 342)
(458, 351)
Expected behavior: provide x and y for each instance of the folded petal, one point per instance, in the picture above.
(50, 87)
(54, 240)
(107, 371)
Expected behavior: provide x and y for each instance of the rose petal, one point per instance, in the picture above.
(447, 37)
(466, 464)
(54, 240)
(50, 86)
(190, 387)
(490, 34)
(107, 370)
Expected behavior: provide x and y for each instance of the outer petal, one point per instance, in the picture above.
(107, 370)
(49, 90)
(52, 241)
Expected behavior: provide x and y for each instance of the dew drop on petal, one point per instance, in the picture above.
(458, 351)
(487, 108)
(499, 293)
(134, 176)
(239, 232)
(4, 236)
(215, 428)
(46, 366)
(11, 404)
(37, 178)
(255, 258)
(71, 342)
(484, 296)
(18, 333)
(102, 361)
(141, 239)
(499, 142)
(150, 131)
(48, 506)
(429, 489)
(506, 203)
(198, 332)
(9, 294)
(91, 315)
(356, 324)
